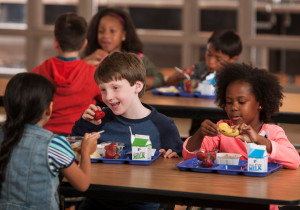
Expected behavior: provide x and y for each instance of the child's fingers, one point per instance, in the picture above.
(170, 154)
(209, 129)
(91, 142)
(163, 151)
(89, 113)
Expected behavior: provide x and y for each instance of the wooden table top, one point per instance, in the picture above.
(162, 177)
(290, 104)
(186, 107)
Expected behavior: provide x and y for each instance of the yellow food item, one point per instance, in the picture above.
(227, 130)
(95, 155)
(171, 89)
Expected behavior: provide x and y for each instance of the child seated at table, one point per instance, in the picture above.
(31, 157)
(250, 96)
(112, 29)
(223, 46)
(74, 78)
(121, 78)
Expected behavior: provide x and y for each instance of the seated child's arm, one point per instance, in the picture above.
(279, 148)
(96, 57)
(171, 143)
(175, 78)
(207, 128)
(87, 123)
(80, 177)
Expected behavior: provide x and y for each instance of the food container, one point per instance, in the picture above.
(75, 142)
(110, 150)
(227, 158)
(190, 85)
(100, 148)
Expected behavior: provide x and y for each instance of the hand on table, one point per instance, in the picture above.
(169, 153)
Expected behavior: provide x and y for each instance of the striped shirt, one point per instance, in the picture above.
(60, 154)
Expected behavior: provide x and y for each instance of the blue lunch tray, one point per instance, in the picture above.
(182, 93)
(124, 158)
(241, 169)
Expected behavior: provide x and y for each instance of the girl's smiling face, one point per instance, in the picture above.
(110, 34)
(241, 104)
(120, 96)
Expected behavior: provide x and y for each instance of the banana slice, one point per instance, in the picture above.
(227, 130)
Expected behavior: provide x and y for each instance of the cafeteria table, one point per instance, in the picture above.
(194, 107)
(162, 182)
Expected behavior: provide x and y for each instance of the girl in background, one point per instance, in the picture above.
(30, 156)
(111, 30)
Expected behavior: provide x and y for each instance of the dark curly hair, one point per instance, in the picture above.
(265, 87)
(132, 42)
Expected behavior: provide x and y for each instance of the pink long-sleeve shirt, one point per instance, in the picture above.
(283, 152)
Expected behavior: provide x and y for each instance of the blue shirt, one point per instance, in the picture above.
(161, 129)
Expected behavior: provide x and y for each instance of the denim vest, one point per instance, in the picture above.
(29, 183)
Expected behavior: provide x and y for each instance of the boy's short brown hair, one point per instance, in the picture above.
(121, 65)
(70, 31)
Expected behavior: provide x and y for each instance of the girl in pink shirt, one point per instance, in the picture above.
(250, 96)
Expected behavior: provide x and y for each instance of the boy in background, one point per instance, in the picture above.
(223, 46)
(74, 78)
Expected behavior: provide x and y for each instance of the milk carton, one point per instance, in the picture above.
(257, 157)
(207, 87)
(141, 147)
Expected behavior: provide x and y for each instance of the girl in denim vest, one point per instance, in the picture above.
(30, 156)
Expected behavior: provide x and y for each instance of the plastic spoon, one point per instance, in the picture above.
(181, 71)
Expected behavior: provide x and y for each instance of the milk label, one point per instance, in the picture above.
(257, 158)
(141, 147)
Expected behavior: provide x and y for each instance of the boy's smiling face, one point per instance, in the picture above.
(120, 96)
(216, 59)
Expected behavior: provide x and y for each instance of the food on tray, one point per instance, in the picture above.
(201, 155)
(75, 142)
(207, 157)
(230, 155)
(190, 85)
(99, 115)
(208, 163)
(170, 89)
(227, 130)
(95, 154)
(228, 158)
(113, 150)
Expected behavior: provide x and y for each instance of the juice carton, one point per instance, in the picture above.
(257, 158)
(141, 147)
